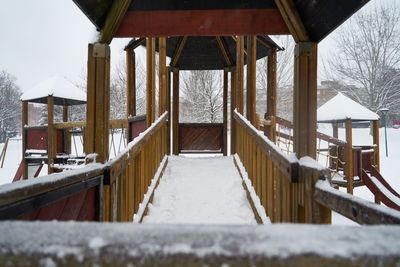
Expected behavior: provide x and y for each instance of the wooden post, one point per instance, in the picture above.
(375, 133)
(162, 104)
(175, 110)
(251, 80)
(169, 112)
(150, 81)
(51, 138)
(130, 83)
(225, 114)
(98, 101)
(335, 129)
(239, 74)
(24, 122)
(305, 99)
(270, 128)
(349, 157)
(67, 135)
(233, 106)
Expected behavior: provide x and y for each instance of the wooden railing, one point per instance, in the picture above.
(293, 190)
(129, 175)
(97, 192)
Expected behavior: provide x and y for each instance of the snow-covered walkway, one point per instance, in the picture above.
(201, 191)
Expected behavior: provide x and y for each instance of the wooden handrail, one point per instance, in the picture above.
(29, 196)
(287, 164)
(129, 174)
(114, 124)
(354, 208)
(69, 124)
(322, 136)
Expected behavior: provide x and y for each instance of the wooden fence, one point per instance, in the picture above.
(291, 190)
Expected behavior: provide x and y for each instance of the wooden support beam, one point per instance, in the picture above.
(233, 106)
(24, 122)
(224, 51)
(335, 130)
(130, 83)
(98, 101)
(349, 156)
(305, 99)
(292, 19)
(239, 74)
(162, 98)
(67, 135)
(251, 112)
(175, 116)
(150, 81)
(169, 112)
(375, 134)
(134, 43)
(212, 22)
(178, 51)
(113, 20)
(270, 115)
(225, 115)
(51, 140)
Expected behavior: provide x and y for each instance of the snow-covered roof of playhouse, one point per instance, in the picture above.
(63, 92)
(340, 108)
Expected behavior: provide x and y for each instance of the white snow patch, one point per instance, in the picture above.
(256, 200)
(55, 86)
(341, 107)
(200, 191)
(142, 206)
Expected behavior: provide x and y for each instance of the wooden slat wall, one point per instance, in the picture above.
(198, 137)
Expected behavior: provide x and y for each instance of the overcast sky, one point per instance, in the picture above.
(41, 38)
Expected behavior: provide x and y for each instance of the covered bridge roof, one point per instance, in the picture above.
(340, 108)
(207, 52)
(225, 17)
(63, 92)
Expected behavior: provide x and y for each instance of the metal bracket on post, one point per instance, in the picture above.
(101, 50)
(303, 49)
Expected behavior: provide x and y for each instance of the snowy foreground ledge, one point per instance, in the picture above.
(87, 244)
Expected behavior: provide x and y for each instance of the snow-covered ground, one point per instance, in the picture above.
(201, 191)
(12, 160)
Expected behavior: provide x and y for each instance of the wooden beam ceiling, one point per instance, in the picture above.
(178, 51)
(224, 50)
(113, 20)
(134, 43)
(292, 19)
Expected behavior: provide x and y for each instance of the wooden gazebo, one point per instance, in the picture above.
(205, 53)
(343, 110)
(53, 91)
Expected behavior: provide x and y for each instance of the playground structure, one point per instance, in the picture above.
(350, 165)
(63, 149)
(293, 189)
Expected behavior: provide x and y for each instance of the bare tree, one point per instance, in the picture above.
(368, 57)
(10, 109)
(202, 96)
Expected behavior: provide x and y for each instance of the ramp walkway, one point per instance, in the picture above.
(201, 191)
